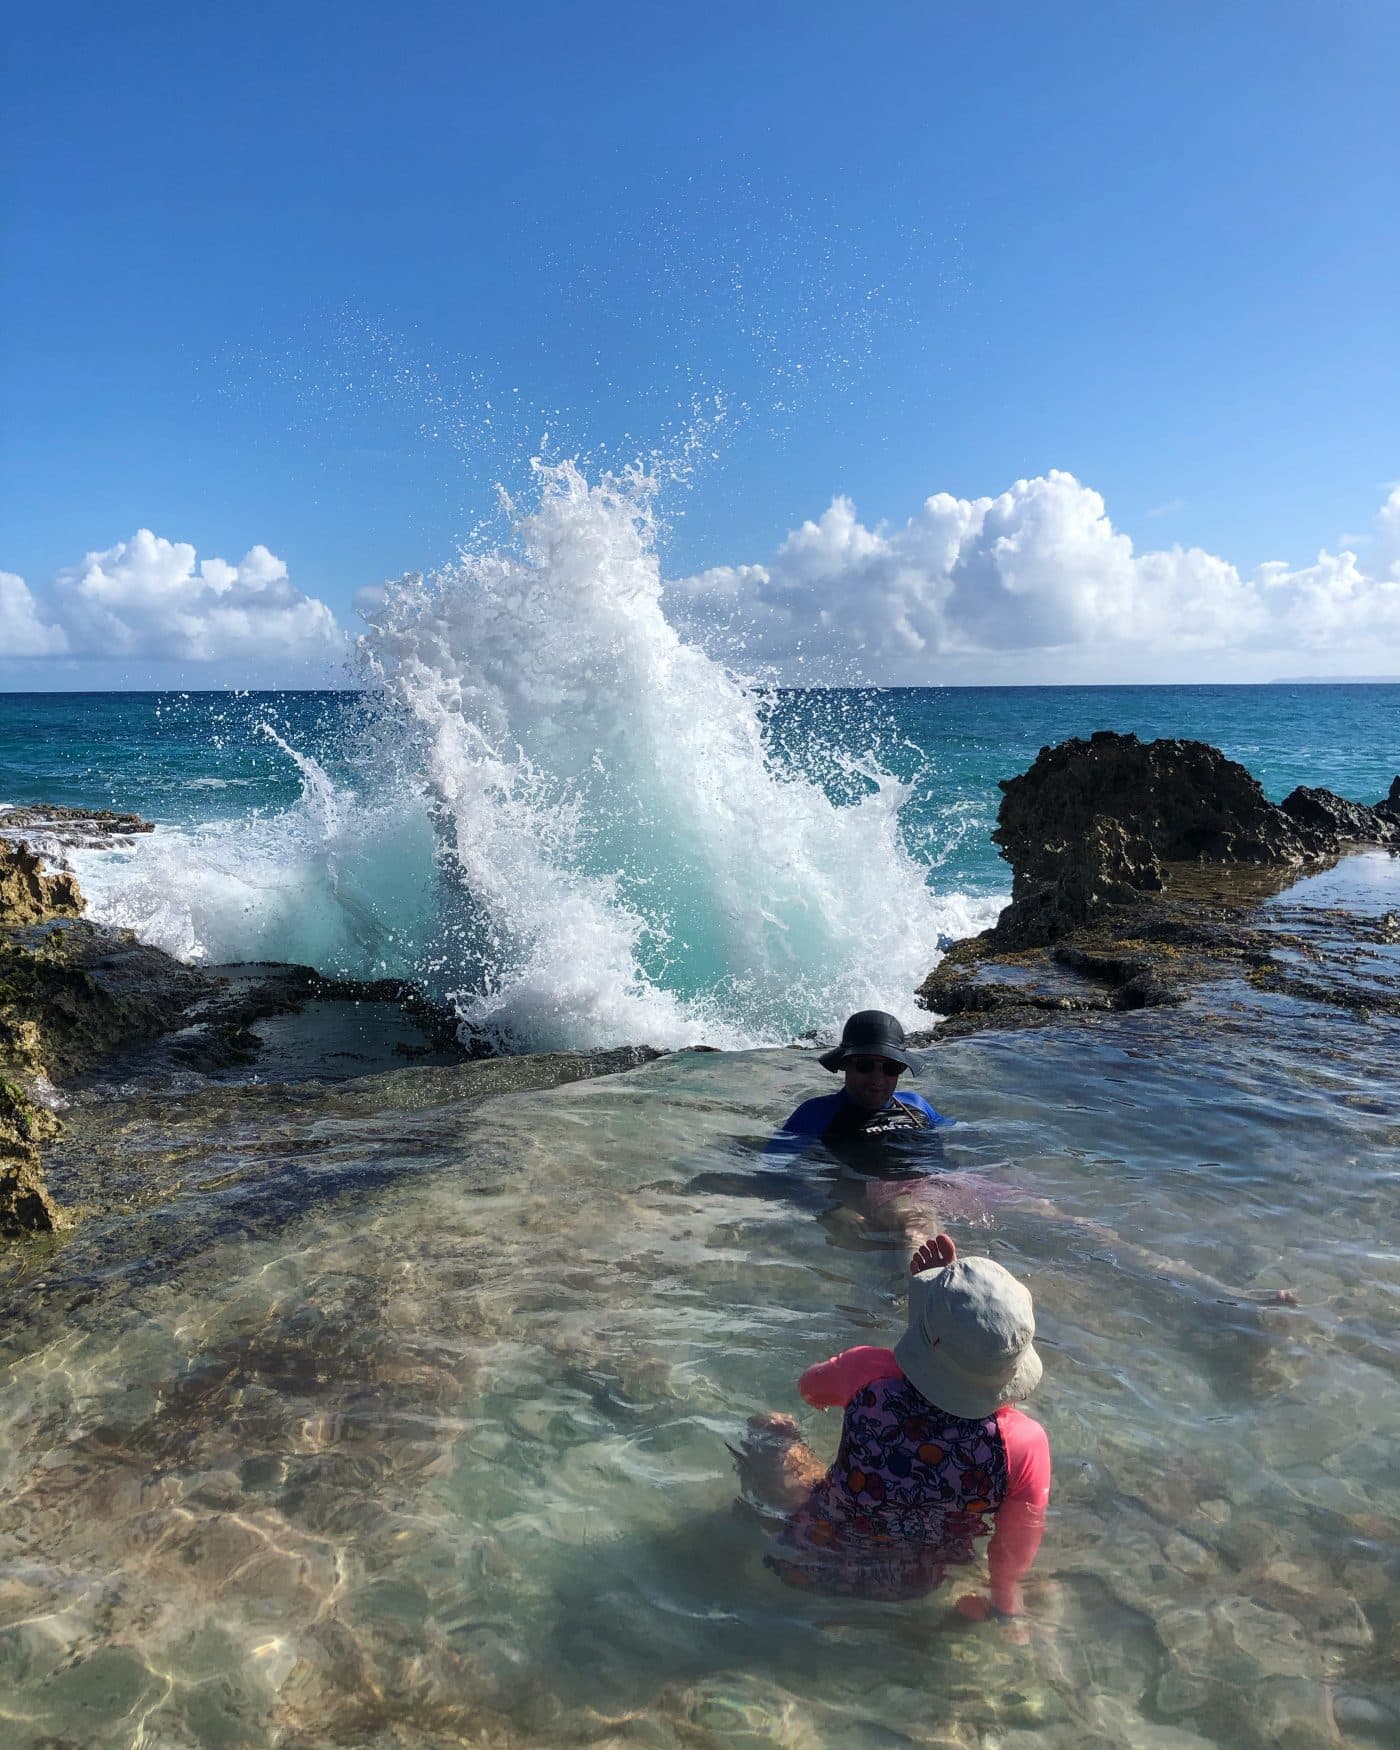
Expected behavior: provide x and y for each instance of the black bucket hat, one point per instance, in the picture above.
(871, 1033)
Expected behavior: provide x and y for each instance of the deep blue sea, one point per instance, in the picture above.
(742, 861)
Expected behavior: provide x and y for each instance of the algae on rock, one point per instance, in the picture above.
(70, 994)
(25, 1204)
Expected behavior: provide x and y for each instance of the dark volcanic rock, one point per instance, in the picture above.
(1111, 866)
(1090, 825)
(1184, 799)
(1389, 809)
(1137, 867)
(1332, 816)
(72, 826)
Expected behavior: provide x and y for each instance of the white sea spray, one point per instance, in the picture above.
(642, 864)
(565, 818)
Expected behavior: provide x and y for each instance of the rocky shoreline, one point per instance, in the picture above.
(1140, 869)
(79, 1001)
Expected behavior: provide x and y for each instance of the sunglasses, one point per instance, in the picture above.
(864, 1066)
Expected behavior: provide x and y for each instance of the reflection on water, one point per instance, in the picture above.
(413, 1429)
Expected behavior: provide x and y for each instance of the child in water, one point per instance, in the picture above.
(932, 1454)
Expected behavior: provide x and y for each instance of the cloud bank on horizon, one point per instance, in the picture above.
(151, 601)
(1034, 586)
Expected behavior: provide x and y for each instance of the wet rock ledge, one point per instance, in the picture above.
(96, 1010)
(80, 1001)
(1138, 869)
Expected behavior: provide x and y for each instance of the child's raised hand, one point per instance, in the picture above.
(934, 1254)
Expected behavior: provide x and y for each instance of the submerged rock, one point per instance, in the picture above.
(1293, 1713)
(1227, 1648)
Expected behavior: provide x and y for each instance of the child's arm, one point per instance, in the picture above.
(831, 1385)
(1020, 1520)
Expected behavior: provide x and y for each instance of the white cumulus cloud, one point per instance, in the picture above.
(22, 633)
(1037, 584)
(154, 600)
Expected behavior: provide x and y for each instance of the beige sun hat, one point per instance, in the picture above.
(968, 1348)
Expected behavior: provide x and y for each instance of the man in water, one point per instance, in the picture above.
(873, 1055)
(884, 1140)
(889, 1174)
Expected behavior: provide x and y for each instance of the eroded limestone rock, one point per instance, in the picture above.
(25, 1204)
(27, 895)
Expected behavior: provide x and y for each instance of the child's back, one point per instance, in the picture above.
(912, 1487)
(932, 1454)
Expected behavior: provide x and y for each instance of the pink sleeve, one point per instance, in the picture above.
(832, 1384)
(1020, 1520)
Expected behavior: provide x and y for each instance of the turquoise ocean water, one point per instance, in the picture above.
(192, 758)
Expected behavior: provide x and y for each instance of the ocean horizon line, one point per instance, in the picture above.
(764, 687)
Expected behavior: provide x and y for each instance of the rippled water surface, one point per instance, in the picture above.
(381, 1415)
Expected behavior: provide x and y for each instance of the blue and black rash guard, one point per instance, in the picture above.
(835, 1118)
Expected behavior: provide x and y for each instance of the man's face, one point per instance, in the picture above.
(871, 1080)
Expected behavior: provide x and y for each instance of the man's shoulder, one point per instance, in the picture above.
(907, 1097)
(812, 1116)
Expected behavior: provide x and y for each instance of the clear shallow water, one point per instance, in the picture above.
(379, 1417)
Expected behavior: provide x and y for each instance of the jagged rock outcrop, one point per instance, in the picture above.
(72, 826)
(1184, 798)
(1116, 845)
(25, 1204)
(70, 994)
(1111, 865)
(1333, 817)
(27, 895)
(78, 998)
(1092, 823)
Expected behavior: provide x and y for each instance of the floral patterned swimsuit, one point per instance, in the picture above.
(912, 1488)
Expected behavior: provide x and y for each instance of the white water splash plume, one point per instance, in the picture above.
(635, 862)
(343, 880)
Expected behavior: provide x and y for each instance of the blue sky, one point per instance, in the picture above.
(311, 278)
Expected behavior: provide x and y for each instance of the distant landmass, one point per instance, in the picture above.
(1336, 680)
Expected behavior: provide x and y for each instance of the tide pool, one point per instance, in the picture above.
(378, 1416)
